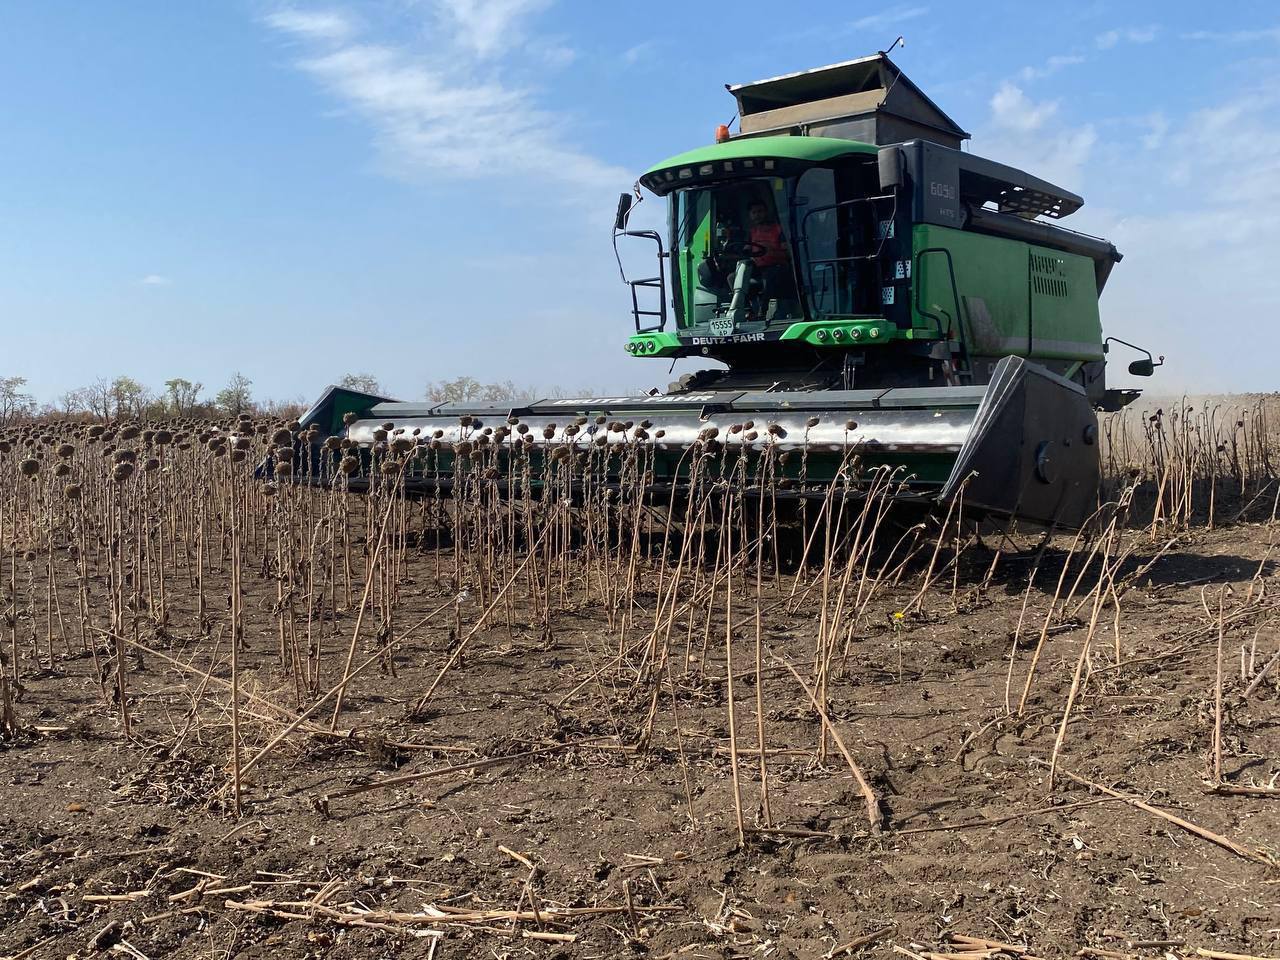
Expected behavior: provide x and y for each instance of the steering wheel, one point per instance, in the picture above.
(742, 250)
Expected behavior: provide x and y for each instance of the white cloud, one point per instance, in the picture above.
(313, 24)
(437, 111)
(1020, 132)
(551, 52)
(888, 18)
(639, 52)
(1050, 67)
(879, 25)
(1192, 199)
(155, 280)
(1157, 125)
(1235, 36)
(1201, 254)
(1112, 38)
(488, 27)
(1234, 153)
(1011, 108)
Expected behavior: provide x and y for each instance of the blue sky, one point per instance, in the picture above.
(422, 189)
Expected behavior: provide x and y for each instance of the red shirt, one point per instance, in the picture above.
(769, 236)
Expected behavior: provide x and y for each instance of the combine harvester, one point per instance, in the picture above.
(867, 285)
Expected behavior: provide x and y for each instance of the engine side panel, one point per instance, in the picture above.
(1011, 298)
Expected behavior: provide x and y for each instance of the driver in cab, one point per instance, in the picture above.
(764, 249)
(772, 262)
(766, 232)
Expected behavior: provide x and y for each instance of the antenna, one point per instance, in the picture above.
(900, 42)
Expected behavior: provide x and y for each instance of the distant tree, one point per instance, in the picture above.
(97, 398)
(284, 409)
(502, 390)
(74, 401)
(181, 396)
(458, 390)
(15, 402)
(236, 397)
(129, 398)
(364, 382)
(468, 389)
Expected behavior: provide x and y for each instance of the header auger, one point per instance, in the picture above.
(876, 297)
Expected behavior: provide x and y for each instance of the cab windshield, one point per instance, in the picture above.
(733, 256)
(753, 253)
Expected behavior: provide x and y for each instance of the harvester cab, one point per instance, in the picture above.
(887, 256)
(873, 294)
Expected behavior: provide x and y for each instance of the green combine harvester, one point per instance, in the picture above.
(863, 284)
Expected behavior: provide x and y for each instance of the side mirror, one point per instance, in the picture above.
(889, 161)
(1142, 368)
(624, 208)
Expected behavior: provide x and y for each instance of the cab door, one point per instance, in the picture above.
(691, 242)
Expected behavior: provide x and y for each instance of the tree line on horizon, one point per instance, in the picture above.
(123, 397)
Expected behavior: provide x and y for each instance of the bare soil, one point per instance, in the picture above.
(973, 841)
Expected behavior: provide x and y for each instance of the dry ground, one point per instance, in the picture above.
(129, 846)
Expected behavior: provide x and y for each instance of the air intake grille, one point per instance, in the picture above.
(1047, 277)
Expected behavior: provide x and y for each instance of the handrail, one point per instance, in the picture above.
(955, 291)
(832, 206)
(658, 283)
(812, 263)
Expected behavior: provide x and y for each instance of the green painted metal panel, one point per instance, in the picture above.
(663, 344)
(1064, 306)
(699, 247)
(846, 332)
(987, 304)
(341, 402)
(919, 470)
(1011, 297)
